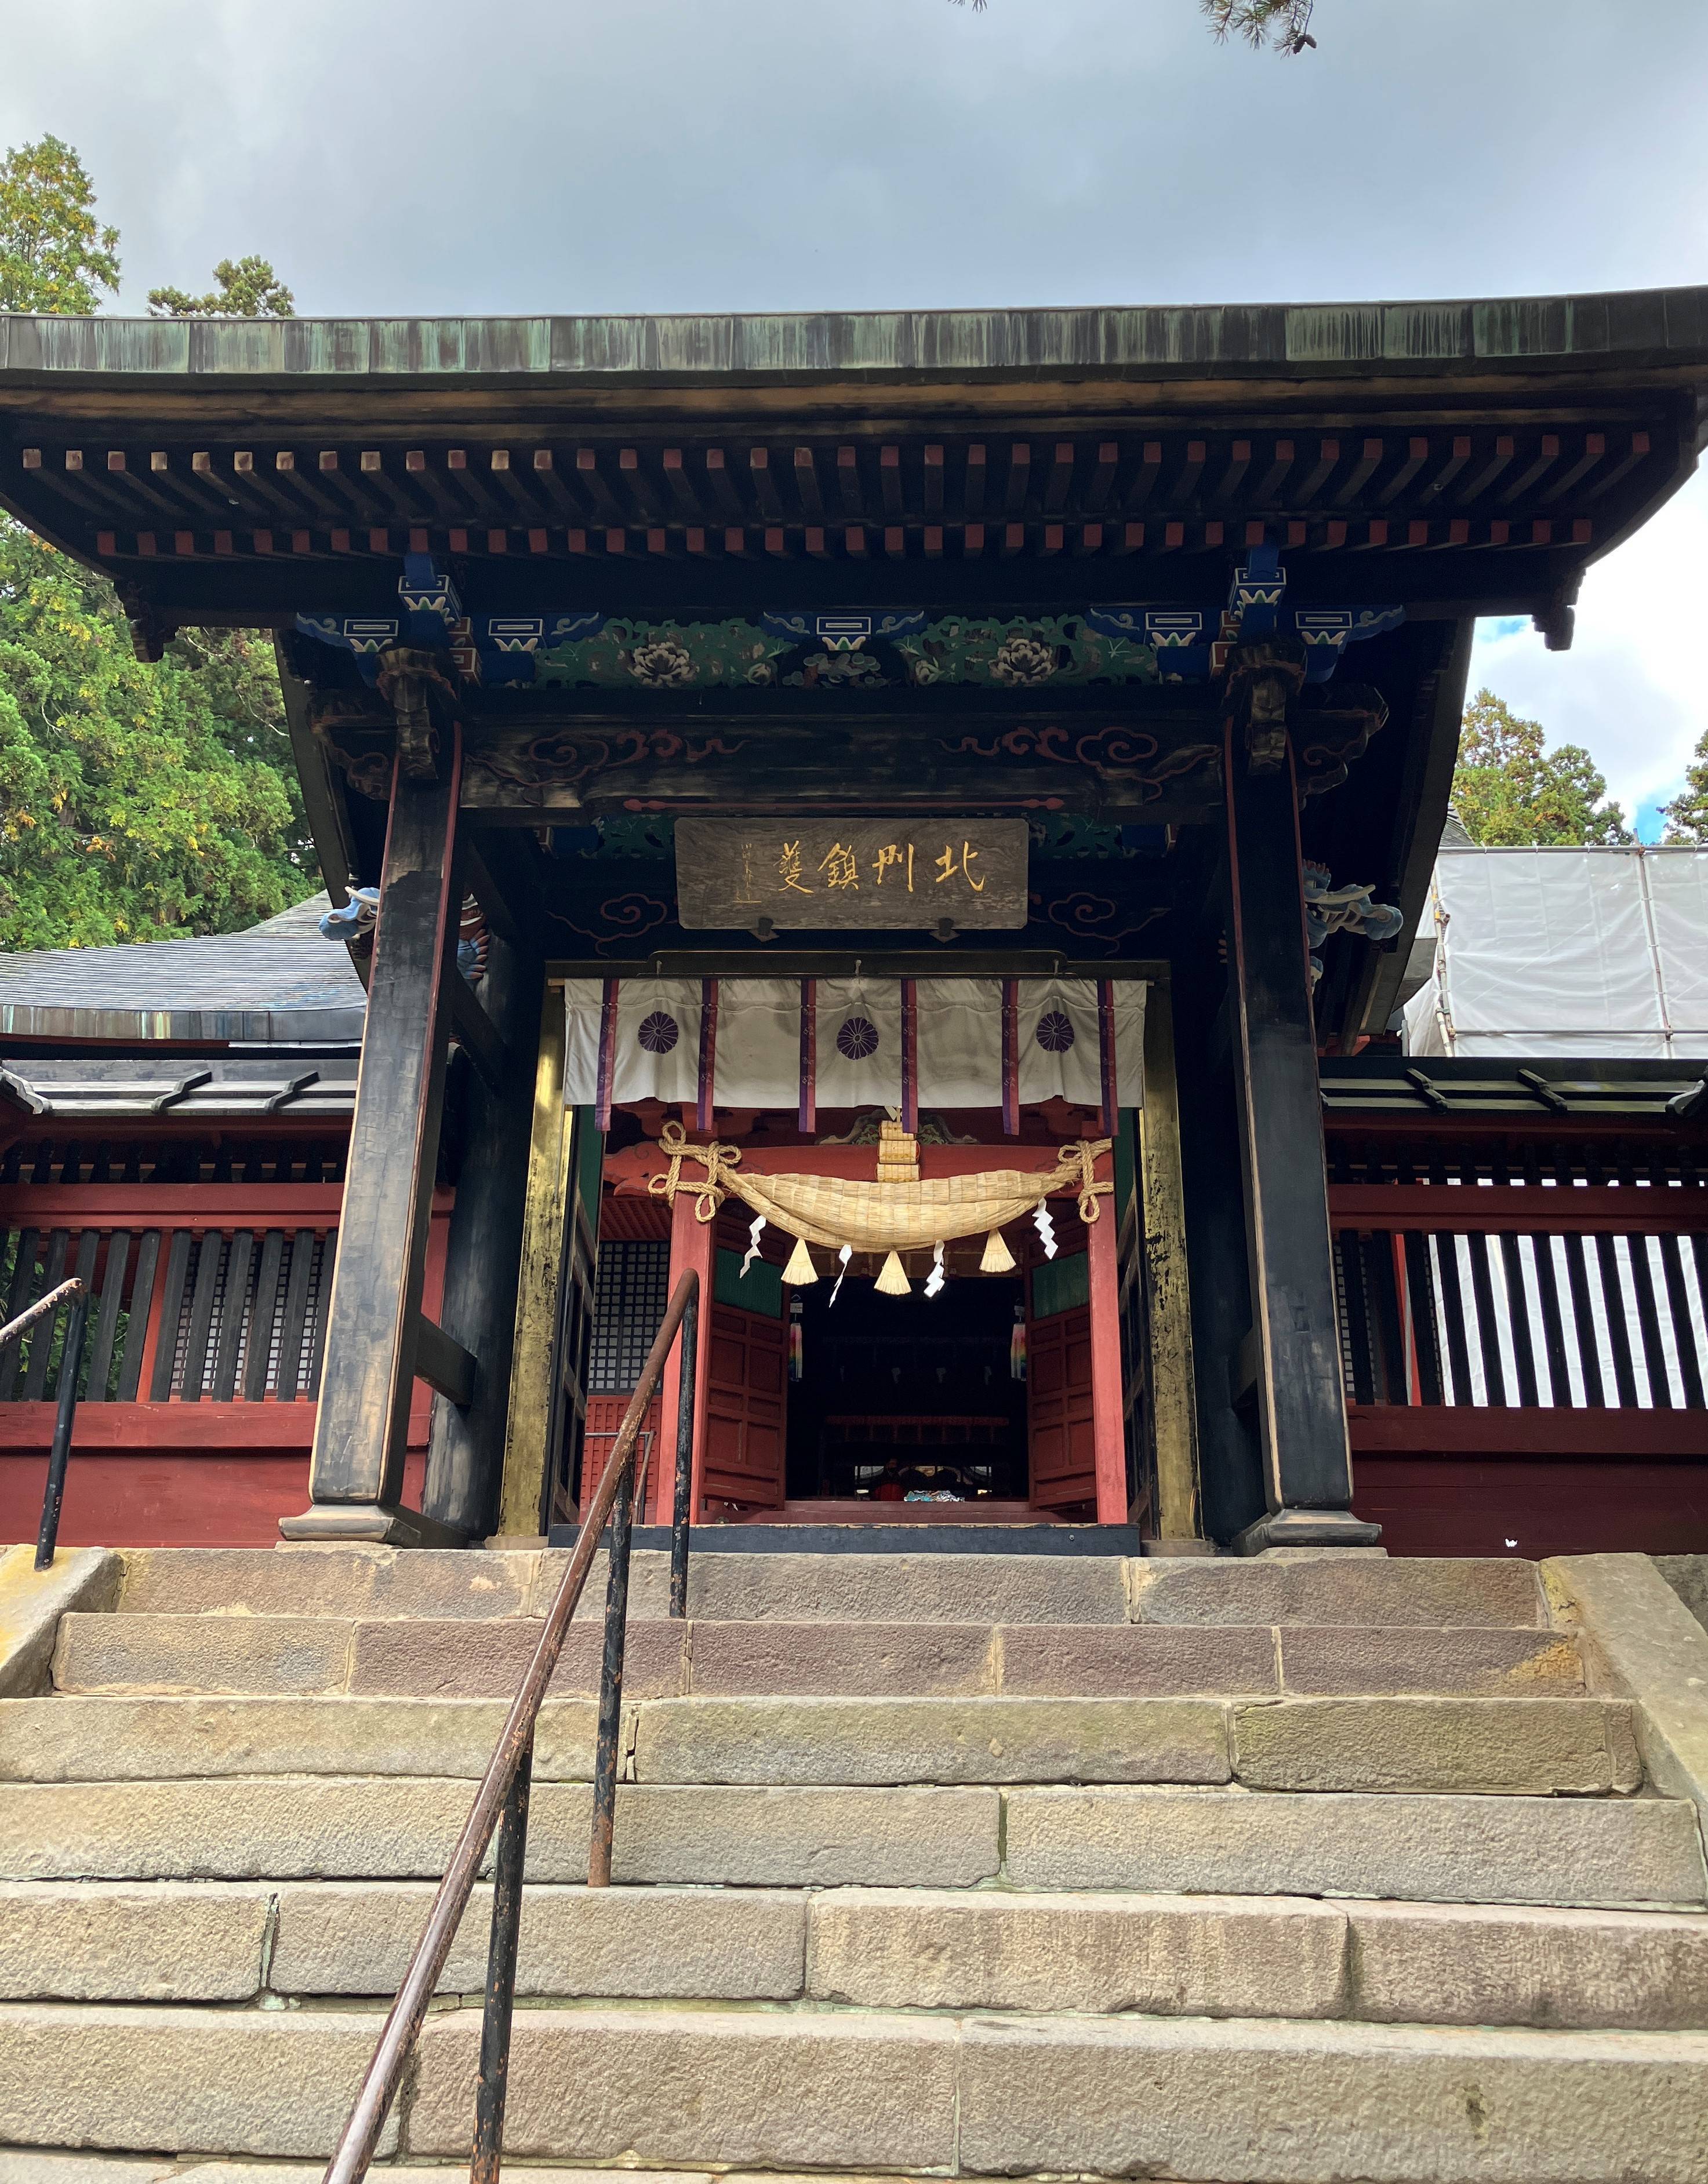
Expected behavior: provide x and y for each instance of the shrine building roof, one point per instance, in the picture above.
(241, 470)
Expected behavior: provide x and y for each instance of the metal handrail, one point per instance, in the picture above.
(70, 1364)
(500, 1804)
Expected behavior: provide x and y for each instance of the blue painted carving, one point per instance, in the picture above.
(1255, 593)
(1326, 631)
(1331, 909)
(429, 600)
(1179, 636)
(353, 917)
(843, 632)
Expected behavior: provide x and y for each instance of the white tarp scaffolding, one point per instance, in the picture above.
(1583, 952)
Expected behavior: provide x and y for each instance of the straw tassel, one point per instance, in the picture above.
(801, 1270)
(893, 1281)
(998, 1259)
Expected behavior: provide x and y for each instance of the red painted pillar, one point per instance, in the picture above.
(692, 1243)
(1108, 1435)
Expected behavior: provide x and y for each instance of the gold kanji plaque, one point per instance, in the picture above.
(876, 874)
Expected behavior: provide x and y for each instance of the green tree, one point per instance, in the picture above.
(1687, 814)
(135, 801)
(55, 254)
(1512, 791)
(1283, 25)
(248, 288)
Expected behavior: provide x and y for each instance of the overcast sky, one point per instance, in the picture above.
(654, 155)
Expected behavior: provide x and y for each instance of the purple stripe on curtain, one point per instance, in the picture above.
(708, 1051)
(607, 1054)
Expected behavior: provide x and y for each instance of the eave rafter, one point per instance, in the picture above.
(1108, 495)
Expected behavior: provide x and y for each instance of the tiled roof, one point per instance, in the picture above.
(222, 1088)
(279, 982)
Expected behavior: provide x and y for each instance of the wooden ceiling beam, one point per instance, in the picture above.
(848, 486)
(974, 482)
(807, 486)
(764, 484)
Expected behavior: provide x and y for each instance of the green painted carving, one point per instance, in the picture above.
(1024, 654)
(666, 655)
(1017, 654)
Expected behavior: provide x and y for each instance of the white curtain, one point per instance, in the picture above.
(858, 1043)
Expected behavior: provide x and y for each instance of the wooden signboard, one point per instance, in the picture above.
(869, 873)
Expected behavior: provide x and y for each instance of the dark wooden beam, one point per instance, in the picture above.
(355, 1475)
(443, 1363)
(1301, 1411)
(476, 1033)
(465, 1453)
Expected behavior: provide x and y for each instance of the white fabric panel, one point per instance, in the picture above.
(870, 1080)
(581, 1003)
(1678, 901)
(758, 1043)
(960, 1024)
(646, 1008)
(1560, 952)
(1073, 1072)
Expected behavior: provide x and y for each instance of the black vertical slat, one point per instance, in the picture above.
(107, 1318)
(1618, 1334)
(1584, 1318)
(43, 1169)
(295, 1312)
(1683, 1328)
(171, 1315)
(1426, 1328)
(1518, 1318)
(1393, 1381)
(41, 1334)
(1453, 1300)
(1357, 1318)
(233, 1299)
(262, 1314)
(136, 1327)
(1553, 1324)
(102, 1169)
(10, 1166)
(88, 1250)
(317, 1324)
(71, 1162)
(1487, 1329)
(1648, 1320)
(1341, 1334)
(23, 1273)
(202, 1299)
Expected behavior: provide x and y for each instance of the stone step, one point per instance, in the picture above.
(834, 2089)
(379, 1582)
(292, 1827)
(1578, 1746)
(1539, 1747)
(1450, 1849)
(886, 1948)
(439, 1657)
(1446, 1848)
(359, 1582)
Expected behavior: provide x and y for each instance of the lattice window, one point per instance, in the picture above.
(631, 1289)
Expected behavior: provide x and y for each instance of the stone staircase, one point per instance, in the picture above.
(1287, 1870)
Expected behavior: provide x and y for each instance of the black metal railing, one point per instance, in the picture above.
(501, 1803)
(70, 1363)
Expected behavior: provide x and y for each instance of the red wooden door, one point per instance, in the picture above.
(1060, 1410)
(746, 1392)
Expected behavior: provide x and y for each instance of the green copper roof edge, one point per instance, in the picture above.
(1664, 323)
